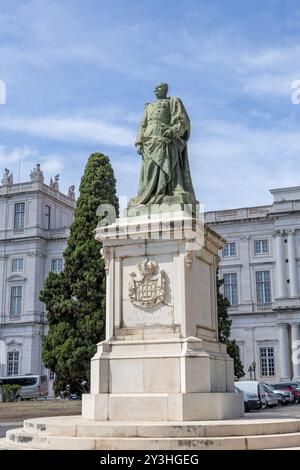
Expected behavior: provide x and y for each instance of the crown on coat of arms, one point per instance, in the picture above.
(147, 267)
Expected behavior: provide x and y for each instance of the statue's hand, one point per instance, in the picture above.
(168, 133)
(139, 148)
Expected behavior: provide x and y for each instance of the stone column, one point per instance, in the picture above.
(279, 259)
(284, 352)
(293, 275)
(295, 337)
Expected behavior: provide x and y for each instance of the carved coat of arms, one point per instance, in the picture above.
(147, 285)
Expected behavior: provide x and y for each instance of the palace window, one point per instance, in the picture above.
(17, 265)
(16, 301)
(19, 215)
(267, 362)
(261, 247)
(263, 287)
(47, 217)
(12, 363)
(229, 249)
(231, 288)
(57, 265)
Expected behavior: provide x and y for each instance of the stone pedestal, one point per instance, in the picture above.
(161, 360)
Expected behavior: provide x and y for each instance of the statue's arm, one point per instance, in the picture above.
(141, 130)
(180, 122)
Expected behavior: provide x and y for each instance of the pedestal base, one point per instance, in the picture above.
(162, 407)
(74, 432)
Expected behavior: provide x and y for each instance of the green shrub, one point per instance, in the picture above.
(10, 392)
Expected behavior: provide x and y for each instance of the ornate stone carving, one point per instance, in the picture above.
(188, 258)
(7, 177)
(147, 286)
(36, 175)
(54, 184)
(71, 192)
(105, 253)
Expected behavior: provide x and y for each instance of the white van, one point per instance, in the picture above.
(32, 386)
(254, 387)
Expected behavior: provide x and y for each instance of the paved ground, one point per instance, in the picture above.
(13, 414)
(284, 412)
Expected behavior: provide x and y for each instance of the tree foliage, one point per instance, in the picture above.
(224, 329)
(10, 392)
(75, 297)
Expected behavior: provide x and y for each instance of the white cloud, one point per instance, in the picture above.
(234, 165)
(52, 164)
(15, 154)
(68, 128)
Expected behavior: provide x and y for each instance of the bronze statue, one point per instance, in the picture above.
(162, 143)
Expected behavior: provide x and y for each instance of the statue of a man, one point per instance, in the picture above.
(71, 192)
(162, 143)
(36, 175)
(7, 177)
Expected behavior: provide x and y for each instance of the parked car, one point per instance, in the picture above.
(251, 400)
(284, 397)
(32, 386)
(272, 399)
(255, 388)
(292, 387)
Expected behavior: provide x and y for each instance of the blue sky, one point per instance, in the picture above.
(78, 73)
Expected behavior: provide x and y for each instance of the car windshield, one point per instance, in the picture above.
(280, 386)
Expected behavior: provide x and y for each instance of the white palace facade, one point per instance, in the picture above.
(34, 226)
(260, 266)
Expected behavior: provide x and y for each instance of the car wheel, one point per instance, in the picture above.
(19, 398)
(246, 407)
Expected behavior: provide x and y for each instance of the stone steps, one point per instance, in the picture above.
(75, 433)
(273, 441)
(74, 426)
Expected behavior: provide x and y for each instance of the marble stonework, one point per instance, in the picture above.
(161, 359)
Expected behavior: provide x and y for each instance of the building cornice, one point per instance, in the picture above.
(38, 189)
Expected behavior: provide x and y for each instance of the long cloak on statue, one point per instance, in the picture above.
(165, 168)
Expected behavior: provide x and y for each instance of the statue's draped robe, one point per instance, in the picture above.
(165, 168)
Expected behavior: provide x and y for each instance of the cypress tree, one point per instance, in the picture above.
(75, 297)
(224, 329)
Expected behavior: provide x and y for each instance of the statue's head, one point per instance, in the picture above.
(161, 90)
